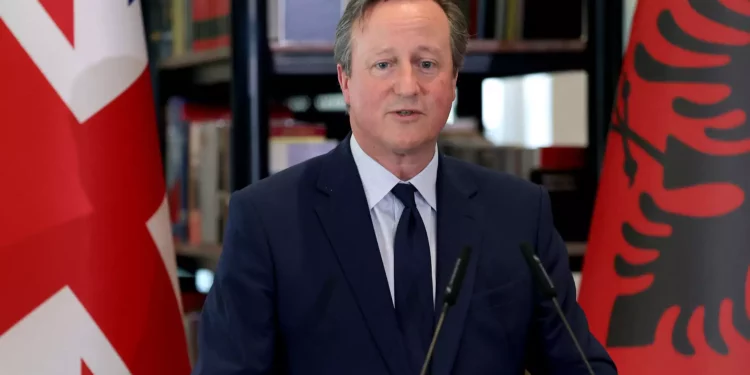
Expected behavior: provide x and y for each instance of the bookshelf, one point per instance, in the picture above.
(251, 71)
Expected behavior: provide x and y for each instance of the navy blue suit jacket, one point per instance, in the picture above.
(300, 287)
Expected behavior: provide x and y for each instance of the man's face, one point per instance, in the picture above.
(402, 84)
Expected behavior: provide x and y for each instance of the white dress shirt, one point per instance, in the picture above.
(385, 208)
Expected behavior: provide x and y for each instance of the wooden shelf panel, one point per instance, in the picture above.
(196, 59)
(484, 57)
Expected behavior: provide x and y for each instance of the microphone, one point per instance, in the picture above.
(547, 288)
(450, 298)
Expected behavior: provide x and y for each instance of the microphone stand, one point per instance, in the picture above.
(426, 363)
(451, 296)
(572, 335)
(547, 288)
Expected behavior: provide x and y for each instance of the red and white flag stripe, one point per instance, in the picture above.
(87, 265)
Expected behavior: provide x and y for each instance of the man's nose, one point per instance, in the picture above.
(407, 83)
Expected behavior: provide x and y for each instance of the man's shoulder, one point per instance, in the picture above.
(495, 184)
(282, 185)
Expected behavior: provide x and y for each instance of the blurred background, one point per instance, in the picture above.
(247, 88)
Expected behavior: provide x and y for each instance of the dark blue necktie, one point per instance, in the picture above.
(413, 277)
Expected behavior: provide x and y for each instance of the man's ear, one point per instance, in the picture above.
(343, 82)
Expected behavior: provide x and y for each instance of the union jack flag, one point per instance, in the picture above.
(87, 266)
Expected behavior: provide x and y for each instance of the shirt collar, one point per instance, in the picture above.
(378, 181)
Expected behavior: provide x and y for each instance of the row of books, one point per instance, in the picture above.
(178, 27)
(518, 161)
(181, 26)
(198, 164)
(197, 170)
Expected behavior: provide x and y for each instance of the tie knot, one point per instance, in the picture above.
(405, 193)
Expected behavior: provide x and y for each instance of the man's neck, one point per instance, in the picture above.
(403, 165)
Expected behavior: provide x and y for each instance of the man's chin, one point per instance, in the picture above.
(408, 147)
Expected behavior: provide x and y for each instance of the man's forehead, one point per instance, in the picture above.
(387, 49)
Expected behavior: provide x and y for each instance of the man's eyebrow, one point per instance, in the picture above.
(383, 51)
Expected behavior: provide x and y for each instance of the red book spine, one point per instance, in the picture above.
(201, 17)
(473, 17)
(223, 14)
(298, 131)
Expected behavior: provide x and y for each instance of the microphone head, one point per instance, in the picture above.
(543, 282)
(528, 254)
(457, 278)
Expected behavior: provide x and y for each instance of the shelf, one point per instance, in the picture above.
(502, 59)
(192, 59)
(204, 67)
(484, 57)
(206, 254)
(576, 249)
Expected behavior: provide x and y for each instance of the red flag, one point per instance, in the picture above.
(665, 277)
(87, 268)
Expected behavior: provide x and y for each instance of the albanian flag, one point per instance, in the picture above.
(665, 279)
(87, 266)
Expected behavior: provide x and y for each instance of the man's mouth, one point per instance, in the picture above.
(407, 112)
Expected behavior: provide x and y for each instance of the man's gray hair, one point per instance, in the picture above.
(356, 11)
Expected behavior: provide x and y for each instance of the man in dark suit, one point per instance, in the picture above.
(338, 265)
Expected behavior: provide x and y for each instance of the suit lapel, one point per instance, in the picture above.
(344, 214)
(457, 227)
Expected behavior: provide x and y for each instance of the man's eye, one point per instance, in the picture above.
(427, 64)
(382, 65)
